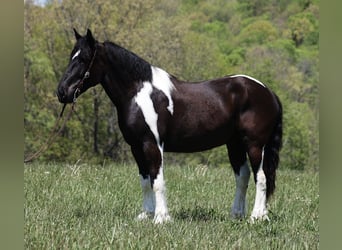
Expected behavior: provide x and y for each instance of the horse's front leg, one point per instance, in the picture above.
(154, 157)
(149, 201)
(150, 163)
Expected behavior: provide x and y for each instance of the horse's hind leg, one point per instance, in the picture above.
(256, 157)
(238, 160)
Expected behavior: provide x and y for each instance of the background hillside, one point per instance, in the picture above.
(273, 41)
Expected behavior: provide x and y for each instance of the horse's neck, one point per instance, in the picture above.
(114, 91)
(123, 76)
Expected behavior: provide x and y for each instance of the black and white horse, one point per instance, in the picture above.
(159, 113)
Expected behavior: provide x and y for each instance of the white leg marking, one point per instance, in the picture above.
(239, 206)
(76, 54)
(161, 80)
(161, 212)
(260, 210)
(251, 78)
(149, 200)
(144, 101)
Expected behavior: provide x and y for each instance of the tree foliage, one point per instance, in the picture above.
(274, 41)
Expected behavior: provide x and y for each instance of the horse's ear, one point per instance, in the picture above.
(77, 35)
(90, 38)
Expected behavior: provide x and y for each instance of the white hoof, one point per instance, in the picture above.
(145, 215)
(161, 218)
(259, 216)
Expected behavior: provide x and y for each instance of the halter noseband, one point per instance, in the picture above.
(86, 75)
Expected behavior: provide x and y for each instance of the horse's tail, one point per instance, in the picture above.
(271, 152)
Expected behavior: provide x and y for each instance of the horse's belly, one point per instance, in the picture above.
(195, 143)
(189, 147)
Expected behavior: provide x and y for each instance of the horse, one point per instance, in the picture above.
(159, 113)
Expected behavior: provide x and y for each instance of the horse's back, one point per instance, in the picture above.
(208, 114)
(203, 115)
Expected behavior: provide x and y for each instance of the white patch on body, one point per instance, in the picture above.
(260, 210)
(161, 80)
(239, 207)
(144, 101)
(76, 54)
(251, 78)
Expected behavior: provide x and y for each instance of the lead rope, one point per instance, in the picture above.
(53, 135)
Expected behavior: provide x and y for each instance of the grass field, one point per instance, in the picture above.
(94, 207)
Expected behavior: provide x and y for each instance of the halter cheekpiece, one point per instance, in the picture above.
(86, 75)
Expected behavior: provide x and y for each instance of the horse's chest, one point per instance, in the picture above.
(138, 124)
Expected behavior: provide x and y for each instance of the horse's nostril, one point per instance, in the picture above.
(61, 96)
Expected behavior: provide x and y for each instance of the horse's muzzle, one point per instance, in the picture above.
(64, 95)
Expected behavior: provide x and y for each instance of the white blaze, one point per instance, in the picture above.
(76, 54)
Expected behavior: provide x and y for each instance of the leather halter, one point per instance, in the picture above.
(86, 75)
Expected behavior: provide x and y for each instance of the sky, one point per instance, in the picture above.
(40, 2)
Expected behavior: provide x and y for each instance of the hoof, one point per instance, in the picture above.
(161, 218)
(259, 216)
(237, 214)
(145, 215)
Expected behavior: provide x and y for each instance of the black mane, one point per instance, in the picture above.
(128, 66)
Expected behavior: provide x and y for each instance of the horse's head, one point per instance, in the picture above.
(82, 71)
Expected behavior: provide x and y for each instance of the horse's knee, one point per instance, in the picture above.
(153, 156)
(152, 152)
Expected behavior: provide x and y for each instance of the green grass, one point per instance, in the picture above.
(94, 207)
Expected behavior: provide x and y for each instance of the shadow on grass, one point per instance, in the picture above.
(198, 213)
